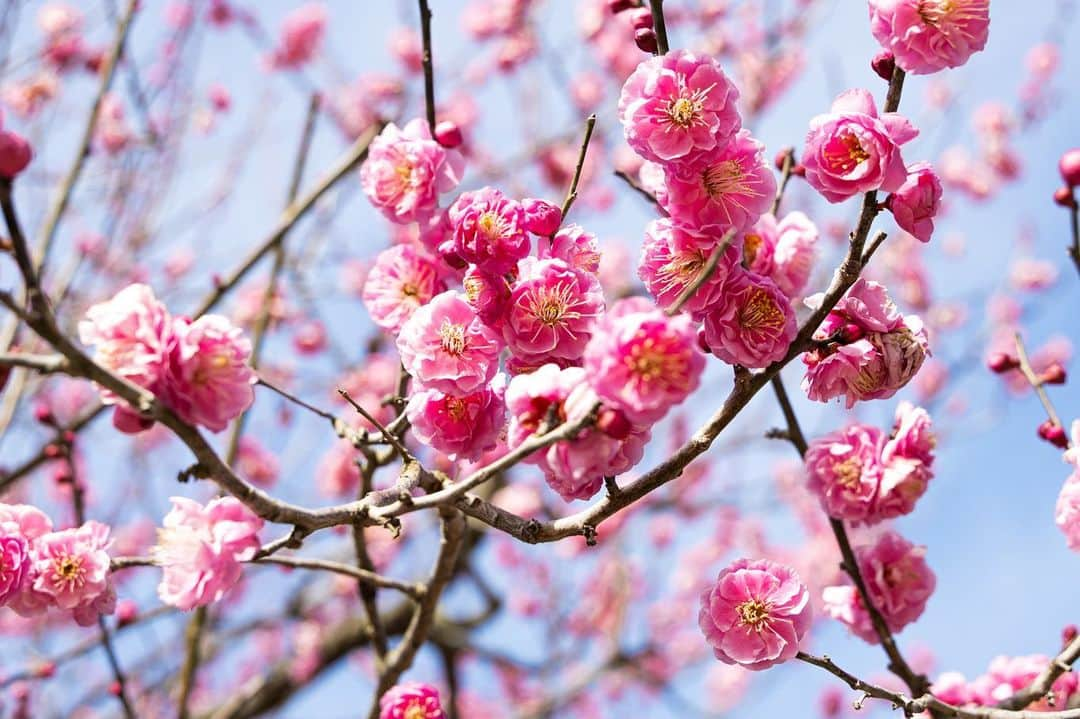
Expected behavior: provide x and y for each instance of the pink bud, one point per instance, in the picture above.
(782, 156)
(1064, 196)
(883, 64)
(1069, 164)
(448, 134)
(15, 154)
(613, 423)
(645, 39)
(310, 338)
(1001, 362)
(541, 217)
(798, 170)
(1054, 433)
(45, 670)
(126, 612)
(43, 414)
(617, 6)
(114, 688)
(851, 332)
(1069, 633)
(641, 18)
(220, 97)
(1054, 374)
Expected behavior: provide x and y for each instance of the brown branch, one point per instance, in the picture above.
(1033, 379)
(633, 184)
(413, 591)
(1042, 684)
(703, 275)
(571, 194)
(428, 64)
(659, 25)
(1074, 228)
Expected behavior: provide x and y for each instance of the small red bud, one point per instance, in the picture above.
(798, 170)
(883, 65)
(613, 423)
(126, 612)
(1064, 196)
(448, 134)
(641, 18)
(1069, 165)
(45, 670)
(51, 451)
(68, 436)
(1001, 362)
(645, 39)
(1054, 374)
(15, 154)
(851, 333)
(1069, 633)
(782, 156)
(701, 341)
(114, 688)
(1054, 434)
(43, 414)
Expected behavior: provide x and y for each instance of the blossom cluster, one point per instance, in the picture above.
(1004, 677)
(863, 475)
(42, 568)
(198, 368)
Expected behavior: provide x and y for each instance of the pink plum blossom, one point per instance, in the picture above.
(541, 217)
(406, 170)
(200, 549)
(446, 347)
(898, 581)
(489, 230)
(551, 310)
(576, 246)
(301, 35)
(1067, 511)
(852, 149)
(926, 36)
(411, 700)
(71, 568)
(488, 295)
(673, 257)
(916, 202)
(461, 427)
(1007, 675)
(677, 105)
(794, 253)
(752, 324)
(729, 187)
(643, 362)
(14, 560)
(209, 381)
(756, 615)
(843, 470)
(402, 278)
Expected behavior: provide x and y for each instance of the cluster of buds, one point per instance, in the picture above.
(641, 19)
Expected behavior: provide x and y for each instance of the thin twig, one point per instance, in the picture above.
(703, 274)
(571, 195)
(1034, 381)
(428, 64)
(659, 25)
(414, 591)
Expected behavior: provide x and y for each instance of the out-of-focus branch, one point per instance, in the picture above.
(1036, 383)
(414, 591)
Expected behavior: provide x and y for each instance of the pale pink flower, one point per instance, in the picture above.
(489, 230)
(200, 550)
(209, 380)
(843, 470)
(551, 311)
(759, 245)
(411, 700)
(460, 427)
(673, 256)
(112, 133)
(729, 187)
(1067, 511)
(677, 105)
(643, 362)
(255, 463)
(898, 581)
(756, 614)
(852, 149)
(752, 324)
(71, 567)
(578, 247)
(406, 170)
(300, 37)
(952, 688)
(916, 202)
(794, 254)
(446, 347)
(926, 36)
(1032, 275)
(1008, 675)
(912, 435)
(402, 278)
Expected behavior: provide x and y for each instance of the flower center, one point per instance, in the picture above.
(753, 614)
(934, 12)
(848, 473)
(680, 270)
(724, 178)
(751, 246)
(68, 571)
(682, 111)
(760, 312)
(452, 337)
(552, 306)
(455, 407)
(404, 175)
(649, 361)
(845, 153)
(415, 710)
(492, 225)
(410, 290)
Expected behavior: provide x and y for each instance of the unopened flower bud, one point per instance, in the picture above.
(883, 64)
(1054, 374)
(448, 134)
(618, 6)
(645, 39)
(1064, 196)
(641, 18)
(1054, 433)
(1001, 362)
(1069, 165)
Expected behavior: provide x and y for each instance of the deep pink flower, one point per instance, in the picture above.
(898, 581)
(446, 347)
(752, 324)
(672, 258)
(406, 170)
(912, 435)
(411, 700)
(459, 427)
(488, 295)
(916, 202)
(930, 35)
(541, 217)
(14, 561)
(71, 566)
(209, 380)
(643, 362)
(756, 614)
(1067, 511)
(489, 230)
(576, 246)
(676, 105)
(301, 35)
(200, 549)
(722, 188)
(843, 470)
(402, 278)
(133, 335)
(852, 149)
(551, 312)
